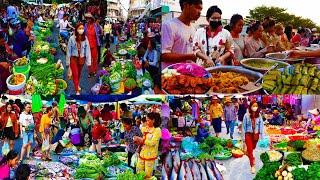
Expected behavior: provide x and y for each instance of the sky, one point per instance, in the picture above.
(305, 8)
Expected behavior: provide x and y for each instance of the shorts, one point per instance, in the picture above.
(216, 123)
(27, 137)
(8, 133)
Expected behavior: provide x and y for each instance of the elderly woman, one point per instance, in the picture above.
(214, 41)
(254, 45)
(284, 43)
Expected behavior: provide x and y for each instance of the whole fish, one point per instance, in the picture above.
(188, 172)
(182, 172)
(216, 171)
(164, 175)
(195, 170)
(209, 171)
(168, 163)
(176, 160)
(174, 175)
(203, 172)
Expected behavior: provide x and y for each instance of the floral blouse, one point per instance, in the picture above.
(219, 43)
(255, 48)
(149, 150)
(128, 137)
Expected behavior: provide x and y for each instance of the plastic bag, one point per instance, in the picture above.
(263, 143)
(134, 159)
(5, 148)
(45, 145)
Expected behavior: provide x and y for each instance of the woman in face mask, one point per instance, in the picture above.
(78, 53)
(252, 130)
(214, 41)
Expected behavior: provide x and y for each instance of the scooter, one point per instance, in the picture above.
(63, 43)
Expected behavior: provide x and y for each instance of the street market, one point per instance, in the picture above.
(120, 56)
(255, 54)
(207, 143)
(85, 140)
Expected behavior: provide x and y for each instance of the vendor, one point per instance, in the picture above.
(277, 119)
(7, 162)
(149, 144)
(98, 133)
(202, 133)
(314, 121)
(304, 54)
(130, 132)
(23, 172)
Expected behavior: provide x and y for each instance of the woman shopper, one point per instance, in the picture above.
(149, 144)
(230, 114)
(27, 127)
(93, 33)
(78, 54)
(150, 61)
(130, 132)
(216, 113)
(254, 45)
(252, 129)
(44, 129)
(214, 41)
(8, 161)
(86, 123)
(236, 25)
(9, 125)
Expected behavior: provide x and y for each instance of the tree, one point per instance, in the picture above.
(280, 15)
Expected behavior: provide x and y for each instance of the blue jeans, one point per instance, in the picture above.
(64, 35)
(27, 137)
(230, 127)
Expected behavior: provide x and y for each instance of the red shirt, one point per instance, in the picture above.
(98, 132)
(106, 116)
(95, 113)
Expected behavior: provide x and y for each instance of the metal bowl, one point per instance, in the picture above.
(249, 73)
(261, 61)
(281, 57)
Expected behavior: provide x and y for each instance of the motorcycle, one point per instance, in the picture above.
(63, 42)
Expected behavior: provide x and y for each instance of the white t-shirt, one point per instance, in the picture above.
(25, 120)
(63, 25)
(40, 19)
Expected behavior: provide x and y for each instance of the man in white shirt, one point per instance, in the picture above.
(64, 24)
(177, 35)
(27, 130)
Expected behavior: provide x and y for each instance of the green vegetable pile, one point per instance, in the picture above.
(299, 173)
(131, 176)
(296, 79)
(213, 145)
(90, 167)
(111, 159)
(47, 71)
(313, 172)
(264, 157)
(267, 171)
(297, 145)
(293, 159)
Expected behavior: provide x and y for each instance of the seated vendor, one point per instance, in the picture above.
(202, 132)
(277, 119)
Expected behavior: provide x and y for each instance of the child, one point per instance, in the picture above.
(138, 121)
(202, 133)
(98, 133)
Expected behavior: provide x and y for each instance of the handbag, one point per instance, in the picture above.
(134, 159)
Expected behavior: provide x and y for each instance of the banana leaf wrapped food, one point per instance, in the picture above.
(287, 71)
(272, 75)
(279, 82)
(285, 89)
(287, 80)
(304, 80)
(311, 91)
(312, 70)
(292, 89)
(296, 79)
(314, 84)
(298, 90)
(277, 90)
(318, 74)
(305, 70)
(269, 85)
(304, 91)
(297, 68)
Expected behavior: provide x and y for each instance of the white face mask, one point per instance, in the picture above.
(80, 31)
(254, 109)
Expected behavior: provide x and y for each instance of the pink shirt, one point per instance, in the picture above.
(4, 171)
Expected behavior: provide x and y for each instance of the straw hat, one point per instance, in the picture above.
(228, 100)
(88, 15)
(215, 98)
(314, 112)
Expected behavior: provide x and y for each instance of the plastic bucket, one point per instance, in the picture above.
(18, 70)
(75, 131)
(21, 69)
(75, 139)
(16, 87)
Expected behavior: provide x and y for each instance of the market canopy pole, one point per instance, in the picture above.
(36, 103)
(62, 102)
